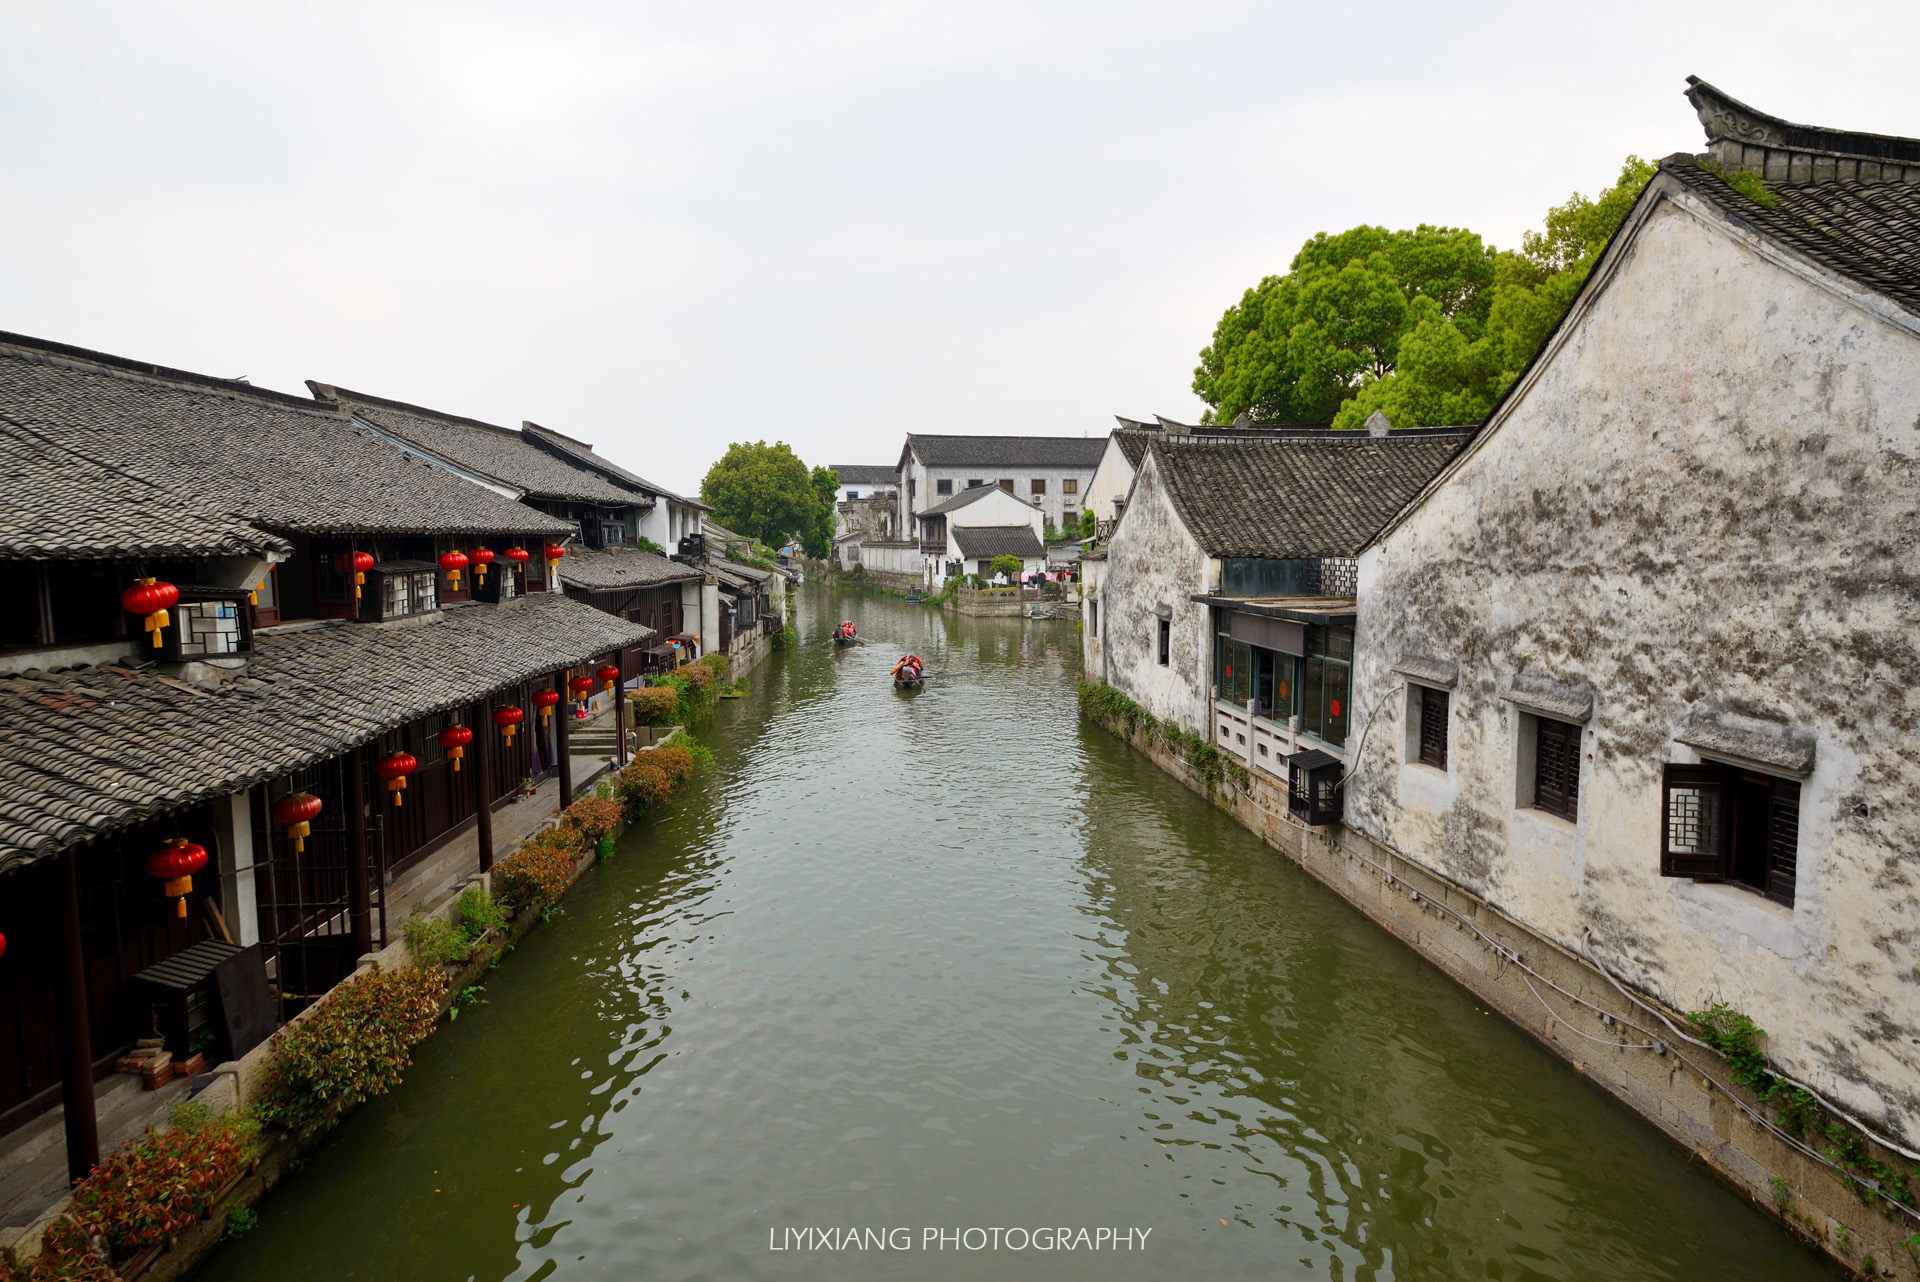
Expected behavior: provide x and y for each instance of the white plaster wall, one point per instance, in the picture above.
(1152, 561)
(1111, 480)
(1708, 493)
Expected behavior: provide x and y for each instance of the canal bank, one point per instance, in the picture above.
(961, 960)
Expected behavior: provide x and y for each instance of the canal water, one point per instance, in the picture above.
(956, 961)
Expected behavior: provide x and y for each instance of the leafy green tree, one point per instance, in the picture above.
(1087, 523)
(817, 539)
(1008, 565)
(1429, 326)
(764, 492)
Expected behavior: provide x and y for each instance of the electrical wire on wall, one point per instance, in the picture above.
(1657, 1045)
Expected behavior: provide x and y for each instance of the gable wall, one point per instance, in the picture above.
(1708, 495)
(1153, 561)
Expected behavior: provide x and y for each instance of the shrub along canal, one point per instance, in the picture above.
(953, 960)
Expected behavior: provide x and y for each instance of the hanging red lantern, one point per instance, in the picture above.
(394, 768)
(175, 863)
(608, 674)
(481, 559)
(581, 686)
(453, 562)
(544, 700)
(151, 598)
(455, 740)
(508, 719)
(554, 553)
(517, 555)
(3, 945)
(297, 811)
(357, 564)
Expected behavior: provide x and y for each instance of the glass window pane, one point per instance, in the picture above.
(1312, 710)
(1338, 713)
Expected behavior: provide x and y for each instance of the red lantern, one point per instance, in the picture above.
(581, 686)
(554, 553)
(151, 598)
(394, 768)
(517, 555)
(481, 559)
(508, 718)
(453, 562)
(455, 739)
(175, 863)
(297, 810)
(544, 700)
(3, 945)
(608, 674)
(357, 564)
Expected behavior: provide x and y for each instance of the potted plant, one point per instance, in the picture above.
(526, 786)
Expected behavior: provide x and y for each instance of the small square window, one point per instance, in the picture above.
(1038, 486)
(1070, 486)
(943, 487)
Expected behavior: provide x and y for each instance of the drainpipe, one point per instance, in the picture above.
(76, 1078)
(483, 793)
(563, 756)
(360, 903)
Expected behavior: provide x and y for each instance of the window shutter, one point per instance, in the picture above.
(1783, 840)
(1556, 778)
(1693, 822)
(1433, 727)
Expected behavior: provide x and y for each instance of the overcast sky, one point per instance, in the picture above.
(662, 228)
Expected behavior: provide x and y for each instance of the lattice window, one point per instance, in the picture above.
(1433, 727)
(1693, 823)
(1556, 777)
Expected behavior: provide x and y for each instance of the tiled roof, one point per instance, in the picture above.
(92, 750)
(616, 568)
(1133, 442)
(582, 453)
(274, 460)
(965, 498)
(1867, 232)
(752, 572)
(1319, 496)
(498, 453)
(866, 473)
(976, 541)
(63, 505)
(1008, 451)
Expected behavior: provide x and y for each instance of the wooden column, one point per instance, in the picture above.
(483, 789)
(620, 706)
(563, 755)
(76, 1080)
(359, 892)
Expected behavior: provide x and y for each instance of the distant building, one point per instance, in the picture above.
(963, 534)
(864, 480)
(1049, 474)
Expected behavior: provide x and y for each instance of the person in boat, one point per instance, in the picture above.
(908, 669)
(845, 631)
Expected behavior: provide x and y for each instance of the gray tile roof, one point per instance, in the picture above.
(1297, 497)
(965, 498)
(278, 461)
(93, 750)
(1082, 452)
(582, 453)
(498, 453)
(752, 572)
(1133, 442)
(976, 541)
(62, 505)
(1866, 232)
(866, 473)
(615, 568)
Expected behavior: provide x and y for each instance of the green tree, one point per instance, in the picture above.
(764, 492)
(1087, 523)
(1429, 326)
(1008, 565)
(817, 539)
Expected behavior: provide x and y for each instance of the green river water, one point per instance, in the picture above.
(953, 961)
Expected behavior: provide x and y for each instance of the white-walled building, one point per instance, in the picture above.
(864, 480)
(1050, 474)
(962, 534)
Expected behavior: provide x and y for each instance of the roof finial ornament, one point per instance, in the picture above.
(1377, 424)
(1243, 419)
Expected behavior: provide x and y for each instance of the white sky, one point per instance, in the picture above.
(662, 228)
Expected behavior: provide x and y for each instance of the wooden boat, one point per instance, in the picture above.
(908, 681)
(841, 640)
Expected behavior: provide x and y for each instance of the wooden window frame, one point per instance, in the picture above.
(1685, 851)
(1166, 642)
(1070, 485)
(1563, 802)
(1436, 717)
(1037, 485)
(943, 487)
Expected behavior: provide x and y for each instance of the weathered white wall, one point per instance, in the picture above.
(1706, 495)
(1152, 562)
(1111, 480)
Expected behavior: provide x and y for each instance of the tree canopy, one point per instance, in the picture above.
(766, 492)
(1429, 325)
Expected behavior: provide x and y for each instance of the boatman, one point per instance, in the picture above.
(845, 631)
(908, 669)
